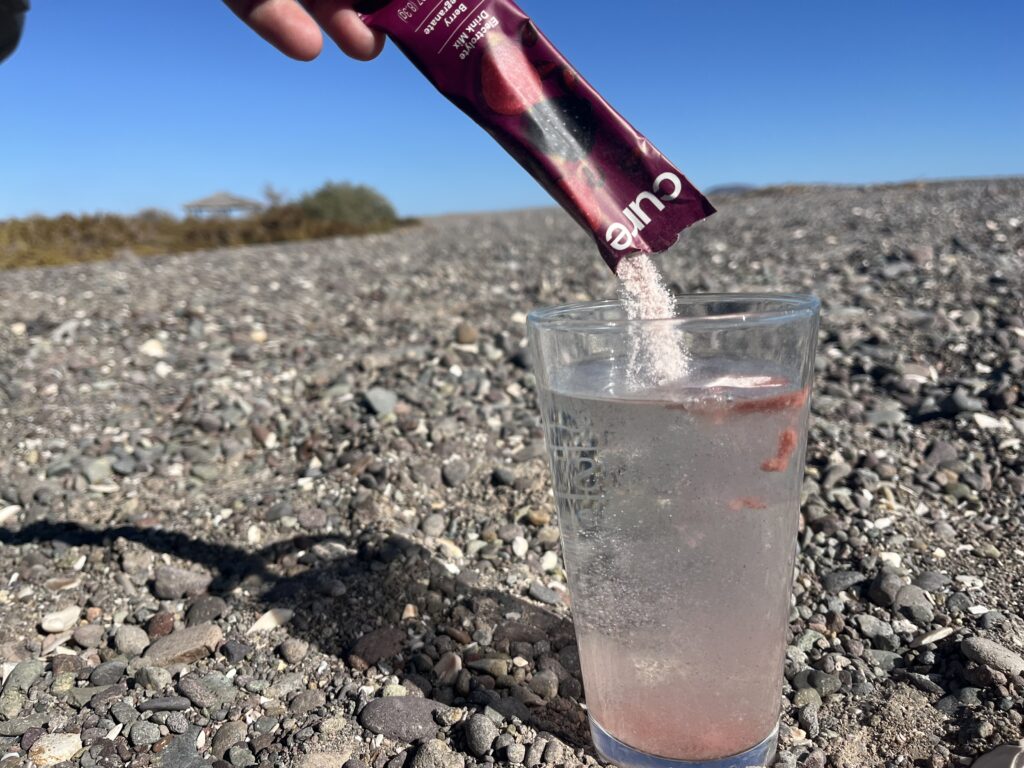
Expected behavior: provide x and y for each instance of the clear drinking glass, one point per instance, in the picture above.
(678, 505)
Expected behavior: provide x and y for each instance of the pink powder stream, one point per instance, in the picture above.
(656, 356)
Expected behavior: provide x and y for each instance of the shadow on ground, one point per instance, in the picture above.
(349, 595)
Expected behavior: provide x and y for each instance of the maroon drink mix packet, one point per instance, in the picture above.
(492, 62)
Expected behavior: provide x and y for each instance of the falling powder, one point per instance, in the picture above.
(656, 357)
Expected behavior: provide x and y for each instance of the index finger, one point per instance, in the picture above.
(282, 23)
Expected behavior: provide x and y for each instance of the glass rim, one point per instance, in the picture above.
(783, 308)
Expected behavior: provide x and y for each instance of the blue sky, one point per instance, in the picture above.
(122, 105)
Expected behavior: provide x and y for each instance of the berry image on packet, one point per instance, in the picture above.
(490, 60)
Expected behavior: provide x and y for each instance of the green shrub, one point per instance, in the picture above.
(350, 205)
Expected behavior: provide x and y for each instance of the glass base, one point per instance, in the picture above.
(614, 751)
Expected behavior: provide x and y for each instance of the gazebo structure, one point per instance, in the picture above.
(222, 205)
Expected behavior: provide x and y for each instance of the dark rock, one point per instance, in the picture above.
(404, 718)
(837, 581)
(375, 646)
(913, 603)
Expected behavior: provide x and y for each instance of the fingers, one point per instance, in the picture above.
(282, 23)
(343, 25)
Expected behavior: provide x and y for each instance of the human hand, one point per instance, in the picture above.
(295, 30)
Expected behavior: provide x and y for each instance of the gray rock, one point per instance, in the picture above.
(17, 726)
(108, 673)
(879, 632)
(381, 401)
(205, 608)
(515, 753)
(143, 733)
(306, 701)
(436, 754)
(176, 722)
(131, 640)
(153, 678)
(24, 674)
(211, 690)
(185, 645)
(165, 704)
(89, 635)
(97, 471)
(455, 472)
(434, 525)
(544, 594)
(913, 603)
(480, 735)
(545, 684)
(171, 583)
(227, 736)
(993, 655)
(884, 588)
(240, 756)
(123, 712)
(931, 581)
(837, 581)
(293, 650)
(181, 752)
(403, 718)
(1006, 756)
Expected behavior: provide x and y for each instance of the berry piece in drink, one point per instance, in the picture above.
(787, 445)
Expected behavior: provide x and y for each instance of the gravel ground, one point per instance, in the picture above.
(289, 506)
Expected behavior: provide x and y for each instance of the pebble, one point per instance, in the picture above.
(404, 718)
(434, 525)
(520, 547)
(171, 583)
(165, 704)
(837, 581)
(992, 654)
(62, 620)
(437, 754)
(884, 588)
(54, 748)
(272, 619)
(108, 673)
(544, 594)
(480, 735)
(210, 690)
(131, 640)
(227, 736)
(143, 733)
(455, 472)
(381, 401)
(185, 645)
(544, 684)
(913, 603)
(240, 756)
(1006, 756)
(153, 678)
(515, 753)
(205, 608)
(17, 726)
(306, 701)
(293, 650)
(466, 333)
